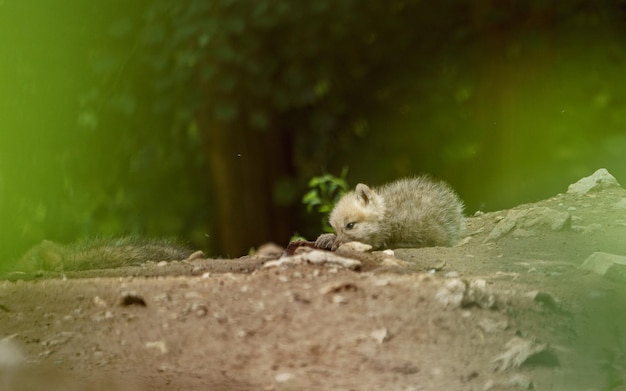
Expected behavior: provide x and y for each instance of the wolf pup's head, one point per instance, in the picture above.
(358, 216)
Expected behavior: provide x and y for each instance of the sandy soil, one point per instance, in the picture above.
(510, 313)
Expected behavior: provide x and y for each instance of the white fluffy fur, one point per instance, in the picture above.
(412, 212)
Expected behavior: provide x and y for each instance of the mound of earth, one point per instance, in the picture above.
(533, 297)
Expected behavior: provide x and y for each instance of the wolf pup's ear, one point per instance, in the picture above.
(364, 194)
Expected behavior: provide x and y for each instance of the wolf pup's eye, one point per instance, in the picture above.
(350, 225)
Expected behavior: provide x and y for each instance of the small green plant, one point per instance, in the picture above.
(325, 191)
(296, 237)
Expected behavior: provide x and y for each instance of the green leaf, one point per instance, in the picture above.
(310, 197)
(325, 208)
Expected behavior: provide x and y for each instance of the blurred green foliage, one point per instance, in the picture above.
(325, 191)
(101, 103)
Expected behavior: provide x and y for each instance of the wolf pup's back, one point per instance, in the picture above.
(101, 253)
(412, 212)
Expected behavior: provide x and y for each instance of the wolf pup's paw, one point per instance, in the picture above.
(325, 241)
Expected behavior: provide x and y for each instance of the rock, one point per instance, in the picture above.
(269, 250)
(544, 216)
(198, 308)
(452, 292)
(520, 381)
(394, 262)
(515, 382)
(503, 227)
(438, 266)
(546, 300)
(610, 266)
(354, 246)
(587, 229)
(283, 377)
(387, 258)
(600, 262)
(379, 335)
(158, 345)
(11, 355)
(491, 326)
(61, 338)
(197, 255)
(197, 270)
(98, 301)
(193, 295)
(459, 293)
(315, 257)
(107, 315)
(479, 294)
(521, 351)
(529, 218)
(523, 233)
(601, 179)
(339, 299)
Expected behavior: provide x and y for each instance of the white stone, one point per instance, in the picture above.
(600, 262)
(10, 354)
(518, 350)
(601, 179)
(283, 377)
(354, 246)
(529, 218)
(315, 257)
(379, 335)
(452, 293)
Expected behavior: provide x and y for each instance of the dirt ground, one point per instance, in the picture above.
(509, 309)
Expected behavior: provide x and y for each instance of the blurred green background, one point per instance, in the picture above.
(204, 120)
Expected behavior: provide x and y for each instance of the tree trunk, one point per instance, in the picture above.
(244, 166)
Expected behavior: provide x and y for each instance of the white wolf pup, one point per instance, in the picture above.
(101, 253)
(411, 212)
